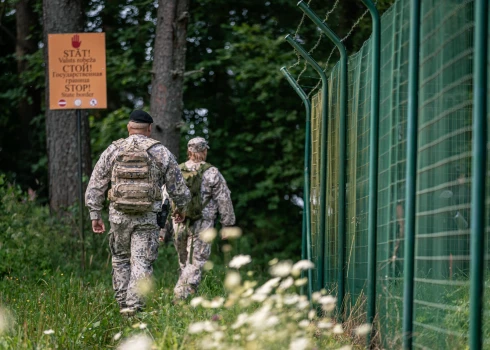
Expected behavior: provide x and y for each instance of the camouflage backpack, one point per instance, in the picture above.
(134, 181)
(193, 180)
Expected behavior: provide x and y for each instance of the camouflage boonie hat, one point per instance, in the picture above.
(197, 144)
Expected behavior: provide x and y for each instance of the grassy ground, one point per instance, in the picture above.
(83, 314)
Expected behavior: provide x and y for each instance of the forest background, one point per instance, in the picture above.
(233, 94)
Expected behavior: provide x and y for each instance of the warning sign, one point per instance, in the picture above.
(77, 71)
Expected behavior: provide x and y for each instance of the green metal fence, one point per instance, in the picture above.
(430, 233)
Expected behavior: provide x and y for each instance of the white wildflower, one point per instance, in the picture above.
(218, 335)
(328, 303)
(337, 329)
(240, 321)
(117, 336)
(199, 327)
(291, 299)
(208, 266)
(247, 293)
(259, 318)
(237, 337)
(145, 286)
(301, 282)
(208, 343)
(301, 266)
(303, 323)
(271, 321)
(213, 304)
(5, 320)
(232, 280)
(303, 304)
(267, 287)
(326, 300)
(363, 329)
(316, 296)
(281, 269)
(49, 331)
(196, 301)
(251, 337)
(288, 282)
(142, 325)
(323, 324)
(208, 235)
(240, 260)
(260, 298)
(311, 314)
(231, 232)
(299, 344)
(273, 261)
(137, 342)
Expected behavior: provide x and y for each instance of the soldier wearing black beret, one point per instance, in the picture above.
(135, 168)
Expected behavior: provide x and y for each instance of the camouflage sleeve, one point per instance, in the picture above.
(222, 196)
(175, 185)
(99, 181)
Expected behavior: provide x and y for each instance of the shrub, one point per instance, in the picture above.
(31, 240)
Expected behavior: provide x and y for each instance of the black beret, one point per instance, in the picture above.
(140, 116)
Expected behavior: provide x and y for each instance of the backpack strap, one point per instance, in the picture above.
(204, 167)
(201, 171)
(149, 143)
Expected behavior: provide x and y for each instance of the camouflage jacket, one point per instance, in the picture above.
(171, 177)
(215, 192)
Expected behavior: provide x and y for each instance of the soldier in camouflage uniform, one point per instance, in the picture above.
(133, 238)
(216, 197)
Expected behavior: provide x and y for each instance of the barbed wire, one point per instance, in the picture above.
(354, 26)
(305, 66)
(298, 56)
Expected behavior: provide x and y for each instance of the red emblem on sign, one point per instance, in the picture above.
(75, 41)
(62, 103)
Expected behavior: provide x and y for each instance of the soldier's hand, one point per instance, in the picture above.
(98, 226)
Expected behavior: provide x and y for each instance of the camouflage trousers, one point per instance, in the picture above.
(187, 240)
(133, 241)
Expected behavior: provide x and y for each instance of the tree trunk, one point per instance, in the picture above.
(168, 72)
(62, 16)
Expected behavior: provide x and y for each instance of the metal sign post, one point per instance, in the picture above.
(80, 184)
(77, 80)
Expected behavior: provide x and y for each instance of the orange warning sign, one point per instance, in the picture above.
(77, 71)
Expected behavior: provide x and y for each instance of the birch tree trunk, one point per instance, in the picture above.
(63, 16)
(168, 72)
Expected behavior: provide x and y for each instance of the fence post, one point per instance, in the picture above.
(480, 86)
(323, 156)
(306, 210)
(411, 177)
(373, 161)
(342, 146)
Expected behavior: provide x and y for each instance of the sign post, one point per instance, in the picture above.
(77, 80)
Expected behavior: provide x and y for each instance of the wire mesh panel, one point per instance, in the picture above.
(332, 196)
(316, 119)
(392, 166)
(357, 171)
(443, 197)
(443, 175)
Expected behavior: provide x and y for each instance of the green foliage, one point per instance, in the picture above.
(239, 100)
(107, 130)
(31, 240)
(62, 310)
